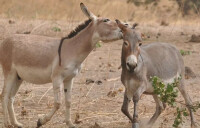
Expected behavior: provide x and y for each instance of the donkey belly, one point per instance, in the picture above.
(34, 75)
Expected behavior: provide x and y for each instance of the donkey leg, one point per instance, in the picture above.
(9, 80)
(5, 95)
(67, 89)
(13, 92)
(188, 101)
(135, 123)
(57, 89)
(159, 109)
(124, 107)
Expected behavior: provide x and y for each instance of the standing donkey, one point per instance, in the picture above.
(141, 63)
(40, 60)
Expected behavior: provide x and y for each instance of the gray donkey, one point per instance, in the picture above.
(139, 63)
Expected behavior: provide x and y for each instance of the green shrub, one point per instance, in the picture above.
(183, 53)
(184, 6)
(56, 29)
(168, 94)
(98, 45)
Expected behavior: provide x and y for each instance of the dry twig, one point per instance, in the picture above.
(45, 94)
(113, 79)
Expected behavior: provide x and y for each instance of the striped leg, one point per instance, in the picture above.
(67, 89)
(57, 89)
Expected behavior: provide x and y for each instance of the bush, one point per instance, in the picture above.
(143, 2)
(183, 53)
(185, 6)
(188, 5)
(168, 94)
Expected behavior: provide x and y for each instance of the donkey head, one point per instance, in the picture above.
(105, 29)
(131, 46)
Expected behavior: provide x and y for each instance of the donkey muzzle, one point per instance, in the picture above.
(131, 63)
(131, 66)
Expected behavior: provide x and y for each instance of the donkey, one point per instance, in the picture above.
(40, 60)
(139, 63)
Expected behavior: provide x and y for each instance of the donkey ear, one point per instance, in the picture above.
(85, 10)
(134, 25)
(121, 26)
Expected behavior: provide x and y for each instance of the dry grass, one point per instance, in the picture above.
(69, 10)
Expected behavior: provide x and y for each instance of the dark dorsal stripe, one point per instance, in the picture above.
(72, 34)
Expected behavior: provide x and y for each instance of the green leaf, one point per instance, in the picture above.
(98, 45)
(56, 29)
(183, 53)
(169, 88)
(185, 113)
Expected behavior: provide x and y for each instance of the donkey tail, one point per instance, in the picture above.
(189, 73)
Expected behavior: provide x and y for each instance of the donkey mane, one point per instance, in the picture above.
(72, 34)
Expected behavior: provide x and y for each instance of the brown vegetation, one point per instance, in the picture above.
(69, 10)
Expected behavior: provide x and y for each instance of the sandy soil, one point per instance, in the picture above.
(91, 101)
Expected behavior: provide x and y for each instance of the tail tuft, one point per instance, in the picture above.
(189, 73)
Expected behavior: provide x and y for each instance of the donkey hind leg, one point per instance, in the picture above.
(57, 90)
(9, 81)
(159, 108)
(124, 107)
(13, 92)
(67, 90)
(188, 102)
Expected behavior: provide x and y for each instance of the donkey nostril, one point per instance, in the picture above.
(131, 66)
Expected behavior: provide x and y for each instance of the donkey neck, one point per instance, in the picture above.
(77, 48)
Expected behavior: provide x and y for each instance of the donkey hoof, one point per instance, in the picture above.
(39, 123)
(17, 125)
(135, 125)
(194, 125)
(70, 124)
(72, 127)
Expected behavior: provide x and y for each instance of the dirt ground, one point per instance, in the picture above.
(91, 101)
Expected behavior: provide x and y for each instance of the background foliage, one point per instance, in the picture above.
(184, 6)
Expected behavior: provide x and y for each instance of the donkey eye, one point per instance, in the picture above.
(125, 43)
(106, 20)
(140, 44)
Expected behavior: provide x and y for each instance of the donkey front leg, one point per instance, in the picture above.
(57, 89)
(136, 98)
(124, 107)
(67, 89)
(135, 116)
